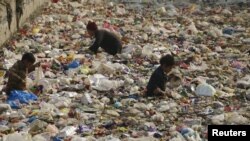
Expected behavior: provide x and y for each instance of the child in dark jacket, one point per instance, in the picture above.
(104, 39)
(18, 72)
(157, 82)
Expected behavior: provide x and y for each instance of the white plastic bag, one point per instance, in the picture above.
(5, 107)
(86, 99)
(192, 28)
(120, 10)
(67, 131)
(218, 119)
(147, 51)
(38, 75)
(17, 137)
(236, 118)
(205, 90)
(79, 139)
(215, 32)
(39, 138)
(46, 84)
(109, 138)
(101, 83)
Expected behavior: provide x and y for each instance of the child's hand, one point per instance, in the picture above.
(37, 64)
(168, 94)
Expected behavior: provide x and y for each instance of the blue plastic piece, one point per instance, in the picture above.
(18, 97)
(74, 64)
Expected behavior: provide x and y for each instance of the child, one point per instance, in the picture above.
(104, 39)
(157, 82)
(18, 72)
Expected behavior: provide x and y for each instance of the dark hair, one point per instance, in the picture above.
(92, 26)
(29, 57)
(167, 60)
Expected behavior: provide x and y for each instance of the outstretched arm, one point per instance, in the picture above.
(96, 44)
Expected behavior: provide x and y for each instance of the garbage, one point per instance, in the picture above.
(86, 99)
(117, 105)
(81, 96)
(39, 138)
(147, 50)
(17, 136)
(158, 118)
(74, 64)
(236, 118)
(52, 129)
(218, 119)
(4, 108)
(244, 82)
(205, 90)
(67, 131)
(112, 113)
(120, 10)
(20, 97)
(37, 126)
(101, 83)
(248, 94)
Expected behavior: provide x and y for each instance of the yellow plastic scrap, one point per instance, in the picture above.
(192, 8)
(122, 129)
(65, 110)
(35, 30)
(70, 57)
(2, 73)
(85, 70)
(35, 112)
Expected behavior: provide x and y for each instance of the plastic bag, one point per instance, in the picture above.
(109, 138)
(20, 96)
(17, 137)
(38, 75)
(79, 139)
(48, 108)
(101, 83)
(39, 138)
(205, 90)
(147, 50)
(67, 131)
(4, 107)
(244, 82)
(60, 102)
(162, 11)
(8, 54)
(120, 10)
(52, 129)
(192, 28)
(215, 32)
(236, 118)
(228, 31)
(46, 84)
(74, 64)
(86, 99)
(37, 126)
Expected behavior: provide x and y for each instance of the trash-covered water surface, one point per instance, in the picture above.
(86, 97)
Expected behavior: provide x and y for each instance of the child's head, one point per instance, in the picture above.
(28, 59)
(167, 63)
(91, 28)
